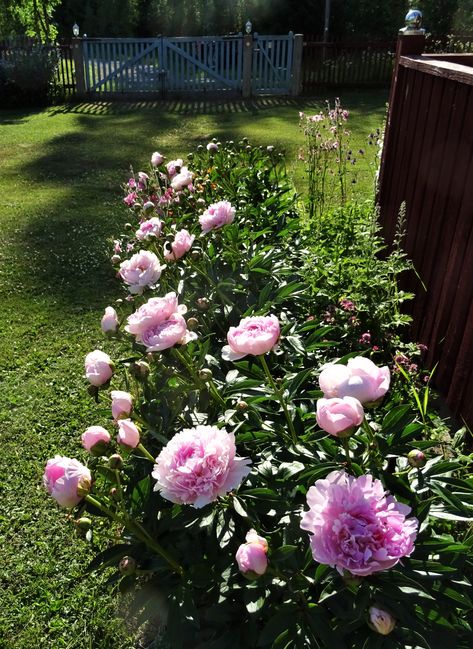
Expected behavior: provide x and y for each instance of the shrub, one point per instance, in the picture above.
(27, 75)
(259, 506)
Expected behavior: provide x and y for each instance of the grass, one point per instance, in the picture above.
(61, 170)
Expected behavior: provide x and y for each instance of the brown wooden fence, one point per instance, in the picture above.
(343, 64)
(64, 78)
(428, 163)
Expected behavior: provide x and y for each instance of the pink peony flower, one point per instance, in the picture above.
(98, 367)
(142, 270)
(173, 167)
(157, 159)
(109, 323)
(251, 556)
(66, 480)
(216, 216)
(182, 179)
(95, 435)
(182, 243)
(143, 178)
(339, 417)
(150, 228)
(155, 311)
(130, 199)
(128, 433)
(360, 378)
(198, 465)
(166, 334)
(355, 526)
(254, 335)
(122, 404)
(381, 621)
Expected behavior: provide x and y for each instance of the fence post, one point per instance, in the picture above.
(247, 65)
(411, 42)
(78, 57)
(296, 72)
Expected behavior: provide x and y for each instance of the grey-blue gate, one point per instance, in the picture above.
(272, 63)
(115, 66)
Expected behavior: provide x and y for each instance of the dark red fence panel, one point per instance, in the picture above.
(428, 164)
(346, 64)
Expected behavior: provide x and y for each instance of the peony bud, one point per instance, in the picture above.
(98, 367)
(157, 159)
(95, 440)
(84, 524)
(116, 259)
(115, 461)
(192, 324)
(140, 370)
(242, 406)
(203, 304)
(66, 480)
(205, 374)
(339, 417)
(381, 621)
(251, 556)
(416, 458)
(122, 404)
(128, 433)
(127, 566)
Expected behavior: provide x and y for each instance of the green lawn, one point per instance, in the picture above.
(60, 176)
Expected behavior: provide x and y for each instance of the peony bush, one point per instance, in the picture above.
(271, 475)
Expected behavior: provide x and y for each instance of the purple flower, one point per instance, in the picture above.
(198, 465)
(355, 526)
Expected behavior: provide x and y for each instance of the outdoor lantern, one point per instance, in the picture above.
(248, 27)
(75, 29)
(413, 20)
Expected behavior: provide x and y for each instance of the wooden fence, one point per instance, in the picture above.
(342, 64)
(64, 82)
(428, 163)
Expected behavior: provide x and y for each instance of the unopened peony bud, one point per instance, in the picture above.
(140, 369)
(114, 493)
(115, 461)
(116, 259)
(128, 226)
(109, 322)
(128, 433)
(98, 367)
(84, 524)
(251, 556)
(148, 206)
(192, 324)
(203, 304)
(381, 621)
(95, 440)
(242, 406)
(127, 566)
(416, 458)
(195, 255)
(205, 374)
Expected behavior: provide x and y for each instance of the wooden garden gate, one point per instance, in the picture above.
(240, 64)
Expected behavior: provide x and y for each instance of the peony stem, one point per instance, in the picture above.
(146, 453)
(139, 532)
(369, 431)
(280, 397)
(346, 447)
(182, 356)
